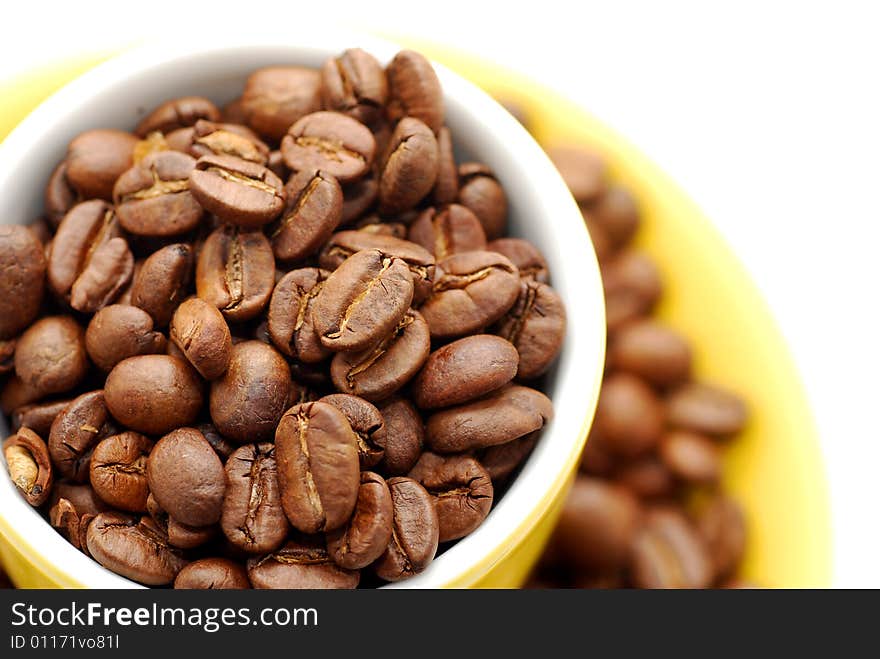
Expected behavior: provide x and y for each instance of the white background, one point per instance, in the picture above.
(767, 113)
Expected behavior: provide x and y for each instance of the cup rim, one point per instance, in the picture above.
(547, 470)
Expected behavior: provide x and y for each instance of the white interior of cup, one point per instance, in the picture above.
(119, 92)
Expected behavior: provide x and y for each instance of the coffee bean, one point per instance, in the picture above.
(367, 424)
(525, 256)
(646, 477)
(222, 446)
(362, 301)
(461, 489)
(38, 416)
(237, 191)
(117, 471)
(379, 371)
(365, 537)
(584, 172)
(704, 409)
(501, 460)
(76, 431)
(617, 213)
(721, 524)
(248, 401)
(464, 370)
(134, 548)
(64, 519)
(471, 291)
(629, 416)
(446, 185)
(404, 436)
(186, 477)
(96, 158)
(120, 331)
(82, 497)
(651, 351)
(502, 416)
(153, 197)
(414, 90)
(290, 315)
(7, 357)
(253, 519)
(235, 272)
(331, 142)
(163, 281)
(690, 456)
(668, 553)
(359, 196)
(90, 262)
(447, 231)
(16, 393)
(180, 535)
(598, 525)
(30, 470)
(354, 84)
(300, 564)
(481, 192)
(318, 470)
(311, 214)
(212, 574)
(535, 325)
(51, 355)
(276, 97)
(201, 333)
(209, 138)
(23, 267)
(415, 531)
(59, 196)
(409, 167)
(632, 288)
(177, 113)
(153, 394)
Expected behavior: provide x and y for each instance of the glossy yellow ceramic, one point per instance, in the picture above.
(774, 469)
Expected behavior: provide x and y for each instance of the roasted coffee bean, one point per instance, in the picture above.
(464, 370)
(236, 272)
(605, 251)
(186, 477)
(354, 84)
(232, 112)
(153, 143)
(481, 192)
(404, 436)
(201, 333)
(212, 574)
(300, 564)
(153, 197)
(722, 526)
(584, 172)
(51, 355)
(290, 315)
(134, 548)
(276, 97)
(59, 196)
(598, 525)
(446, 185)
(38, 416)
(415, 531)
(177, 113)
(23, 267)
(461, 489)
(96, 158)
(419, 260)
(15, 393)
(471, 291)
(153, 394)
(629, 416)
(367, 424)
(535, 325)
(222, 446)
(646, 477)
(525, 256)
(632, 288)
(64, 519)
(75, 433)
(163, 281)
(373, 224)
(596, 459)
(7, 357)
(447, 231)
(501, 460)
(331, 142)
(89, 263)
(318, 472)
(652, 352)
(502, 416)
(30, 470)
(248, 401)
(362, 301)
(409, 167)
(82, 496)
(120, 331)
(237, 191)
(703, 408)
(253, 519)
(180, 535)
(414, 90)
(117, 471)
(379, 371)
(668, 553)
(311, 214)
(617, 213)
(358, 197)
(690, 456)
(364, 539)
(209, 138)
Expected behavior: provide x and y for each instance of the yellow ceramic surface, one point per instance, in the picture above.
(774, 469)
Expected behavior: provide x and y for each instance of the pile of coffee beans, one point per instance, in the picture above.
(282, 344)
(647, 509)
